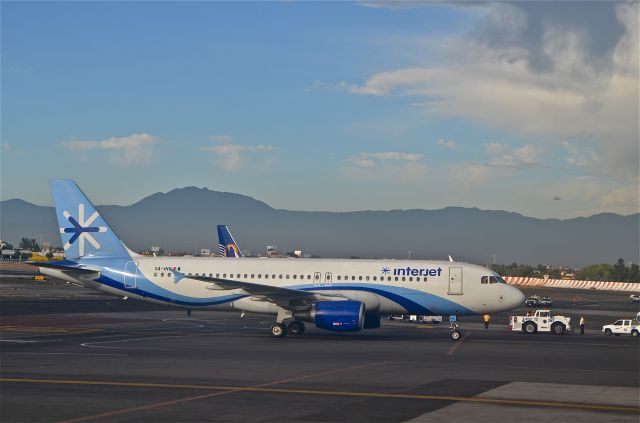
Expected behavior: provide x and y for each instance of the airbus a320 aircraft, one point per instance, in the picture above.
(334, 294)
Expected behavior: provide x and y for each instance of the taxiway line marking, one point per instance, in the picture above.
(46, 329)
(481, 400)
(456, 345)
(215, 394)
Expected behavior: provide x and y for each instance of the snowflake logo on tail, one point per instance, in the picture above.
(81, 230)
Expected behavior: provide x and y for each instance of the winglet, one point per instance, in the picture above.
(450, 258)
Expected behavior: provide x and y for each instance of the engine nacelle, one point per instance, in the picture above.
(339, 316)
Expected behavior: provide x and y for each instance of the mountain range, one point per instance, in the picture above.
(185, 220)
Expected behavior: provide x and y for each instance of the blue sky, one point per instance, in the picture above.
(326, 106)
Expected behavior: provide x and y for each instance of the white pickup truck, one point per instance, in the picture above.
(622, 327)
(540, 321)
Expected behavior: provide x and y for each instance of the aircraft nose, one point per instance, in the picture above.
(517, 297)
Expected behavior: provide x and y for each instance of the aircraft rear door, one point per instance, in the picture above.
(317, 278)
(327, 279)
(130, 274)
(455, 281)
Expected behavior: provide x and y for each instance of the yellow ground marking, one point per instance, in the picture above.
(45, 329)
(480, 400)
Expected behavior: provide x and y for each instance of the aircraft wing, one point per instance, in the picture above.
(285, 297)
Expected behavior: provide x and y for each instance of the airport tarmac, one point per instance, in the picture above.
(69, 354)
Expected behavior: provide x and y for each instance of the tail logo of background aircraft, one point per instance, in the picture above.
(81, 230)
(232, 247)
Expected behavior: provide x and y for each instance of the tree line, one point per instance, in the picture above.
(617, 272)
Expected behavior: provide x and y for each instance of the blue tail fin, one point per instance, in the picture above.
(84, 232)
(228, 246)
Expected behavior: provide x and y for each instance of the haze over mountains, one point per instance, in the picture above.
(179, 219)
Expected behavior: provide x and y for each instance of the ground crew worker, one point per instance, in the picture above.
(486, 319)
(581, 325)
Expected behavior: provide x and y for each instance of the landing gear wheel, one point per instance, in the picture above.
(455, 335)
(278, 330)
(296, 327)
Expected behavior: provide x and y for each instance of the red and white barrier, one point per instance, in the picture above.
(561, 283)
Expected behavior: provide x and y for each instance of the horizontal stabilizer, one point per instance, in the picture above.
(63, 265)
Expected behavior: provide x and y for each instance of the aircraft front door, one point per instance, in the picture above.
(455, 281)
(317, 278)
(130, 274)
(327, 279)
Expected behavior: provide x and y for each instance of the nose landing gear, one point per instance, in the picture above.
(455, 331)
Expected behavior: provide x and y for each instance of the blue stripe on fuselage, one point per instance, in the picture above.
(412, 300)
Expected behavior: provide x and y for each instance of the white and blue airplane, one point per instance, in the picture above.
(334, 294)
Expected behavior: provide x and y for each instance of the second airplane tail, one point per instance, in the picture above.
(228, 246)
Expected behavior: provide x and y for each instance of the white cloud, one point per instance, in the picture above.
(470, 175)
(451, 145)
(134, 148)
(369, 159)
(6, 146)
(388, 165)
(229, 154)
(557, 86)
(581, 156)
(502, 155)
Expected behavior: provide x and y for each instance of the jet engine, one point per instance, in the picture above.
(339, 316)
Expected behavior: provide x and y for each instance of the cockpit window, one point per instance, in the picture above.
(492, 279)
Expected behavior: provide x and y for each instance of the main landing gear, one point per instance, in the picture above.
(280, 330)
